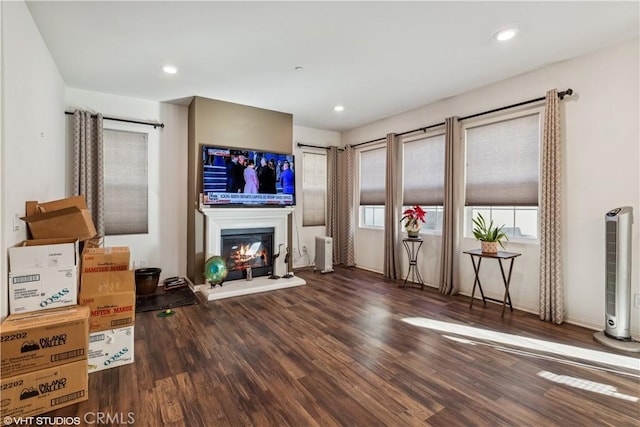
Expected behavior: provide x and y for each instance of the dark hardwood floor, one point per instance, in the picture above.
(336, 352)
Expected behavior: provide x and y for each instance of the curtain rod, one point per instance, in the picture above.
(115, 119)
(315, 146)
(311, 146)
(369, 142)
(561, 95)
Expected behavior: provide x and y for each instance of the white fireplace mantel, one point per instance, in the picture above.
(224, 218)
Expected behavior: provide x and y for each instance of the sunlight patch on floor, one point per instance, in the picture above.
(583, 384)
(547, 357)
(558, 349)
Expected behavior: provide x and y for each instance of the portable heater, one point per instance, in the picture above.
(324, 254)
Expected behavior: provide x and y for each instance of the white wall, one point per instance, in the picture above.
(33, 139)
(166, 243)
(305, 236)
(35, 148)
(600, 172)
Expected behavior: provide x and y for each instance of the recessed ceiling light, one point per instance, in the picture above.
(169, 69)
(299, 68)
(338, 108)
(505, 35)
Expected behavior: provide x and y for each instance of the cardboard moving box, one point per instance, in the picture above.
(43, 253)
(43, 274)
(46, 338)
(111, 296)
(110, 349)
(37, 392)
(60, 218)
(100, 260)
(56, 205)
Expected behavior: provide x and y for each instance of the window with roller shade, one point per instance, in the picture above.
(125, 182)
(503, 172)
(372, 185)
(423, 178)
(314, 188)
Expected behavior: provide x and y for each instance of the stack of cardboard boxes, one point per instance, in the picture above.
(108, 289)
(45, 348)
(44, 342)
(44, 361)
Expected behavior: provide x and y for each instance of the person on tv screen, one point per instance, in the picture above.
(231, 161)
(287, 180)
(266, 177)
(237, 174)
(279, 171)
(250, 178)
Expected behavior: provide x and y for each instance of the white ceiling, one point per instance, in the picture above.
(377, 59)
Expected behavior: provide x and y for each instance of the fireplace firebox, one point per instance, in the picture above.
(245, 248)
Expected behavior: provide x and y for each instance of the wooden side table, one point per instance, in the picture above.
(413, 245)
(500, 256)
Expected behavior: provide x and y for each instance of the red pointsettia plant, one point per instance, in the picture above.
(413, 215)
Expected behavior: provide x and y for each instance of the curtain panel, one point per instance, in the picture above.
(346, 206)
(88, 163)
(551, 307)
(450, 223)
(333, 202)
(391, 233)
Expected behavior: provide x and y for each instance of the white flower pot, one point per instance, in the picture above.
(413, 230)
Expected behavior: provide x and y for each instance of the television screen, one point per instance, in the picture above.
(246, 177)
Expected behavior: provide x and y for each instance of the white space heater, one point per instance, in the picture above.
(324, 254)
(618, 273)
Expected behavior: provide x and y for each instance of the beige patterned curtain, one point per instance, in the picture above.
(333, 207)
(391, 252)
(551, 280)
(346, 202)
(88, 164)
(449, 219)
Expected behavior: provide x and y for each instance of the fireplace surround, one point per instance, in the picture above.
(233, 220)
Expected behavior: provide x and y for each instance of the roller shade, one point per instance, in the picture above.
(372, 175)
(423, 172)
(314, 184)
(503, 163)
(125, 183)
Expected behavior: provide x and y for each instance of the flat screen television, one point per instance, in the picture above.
(235, 177)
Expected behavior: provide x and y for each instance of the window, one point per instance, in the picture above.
(433, 218)
(125, 182)
(423, 178)
(372, 216)
(314, 188)
(373, 164)
(503, 173)
(520, 222)
(372, 186)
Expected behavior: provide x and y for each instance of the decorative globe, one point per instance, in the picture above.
(215, 270)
